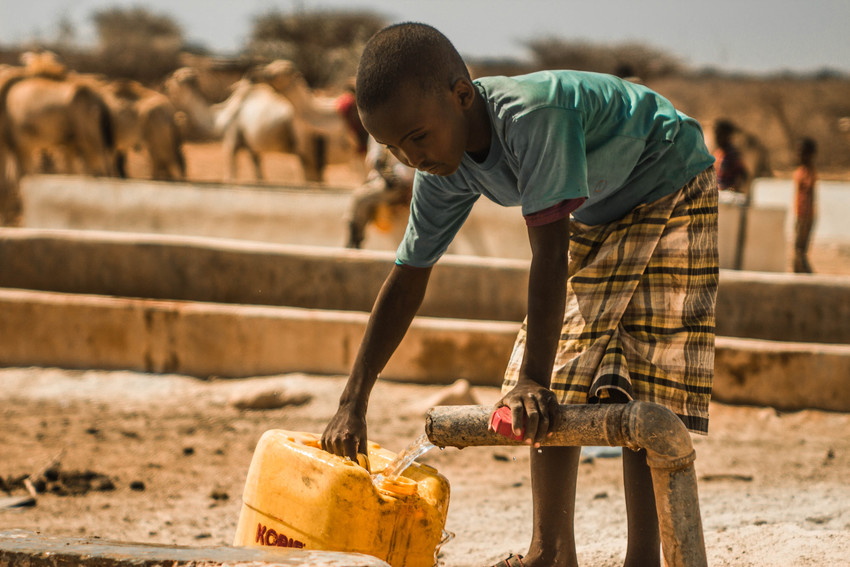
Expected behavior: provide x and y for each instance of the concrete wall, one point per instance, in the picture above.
(787, 376)
(783, 307)
(758, 231)
(315, 217)
(230, 271)
(210, 339)
(205, 339)
(280, 215)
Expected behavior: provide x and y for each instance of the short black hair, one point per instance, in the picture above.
(406, 53)
(724, 128)
(806, 148)
(807, 145)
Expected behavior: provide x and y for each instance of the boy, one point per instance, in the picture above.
(635, 318)
(805, 177)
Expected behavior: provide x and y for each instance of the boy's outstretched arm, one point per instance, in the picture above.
(547, 285)
(397, 303)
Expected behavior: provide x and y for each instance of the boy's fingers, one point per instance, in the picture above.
(554, 411)
(533, 412)
(544, 426)
(349, 448)
(517, 417)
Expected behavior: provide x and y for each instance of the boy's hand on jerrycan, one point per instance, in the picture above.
(345, 435)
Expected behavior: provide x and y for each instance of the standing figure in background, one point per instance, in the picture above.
(805, 177)
(388, 182)
(347, 108)
(732, 174)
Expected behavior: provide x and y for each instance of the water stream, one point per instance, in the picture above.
(403, 460)
(397, 466)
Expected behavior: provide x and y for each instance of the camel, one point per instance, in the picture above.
(10, 198)
(144, 119)
(50, 112)
(254, 118)
(316, 112)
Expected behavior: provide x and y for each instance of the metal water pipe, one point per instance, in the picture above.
(636, 425)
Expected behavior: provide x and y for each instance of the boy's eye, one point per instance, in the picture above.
(418, 137)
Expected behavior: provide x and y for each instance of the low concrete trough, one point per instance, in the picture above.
(759, 305)
(231, 340)
(30, 549)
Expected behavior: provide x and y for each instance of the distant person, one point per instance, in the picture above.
(805, 177)
(346, 107)
(732, 174)
(618, 193)
(388, 183)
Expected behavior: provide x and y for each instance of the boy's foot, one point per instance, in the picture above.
(510, 561)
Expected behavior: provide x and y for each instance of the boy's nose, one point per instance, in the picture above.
(413, 158)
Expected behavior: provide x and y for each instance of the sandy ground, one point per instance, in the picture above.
(773, 486)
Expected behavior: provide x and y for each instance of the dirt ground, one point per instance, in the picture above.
(175, 452)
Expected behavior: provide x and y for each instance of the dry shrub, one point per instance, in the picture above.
(628, 59)
(325, 46)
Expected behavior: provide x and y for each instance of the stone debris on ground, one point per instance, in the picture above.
(459, 393)
(253, 398)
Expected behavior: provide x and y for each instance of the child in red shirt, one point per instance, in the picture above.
(805, 177)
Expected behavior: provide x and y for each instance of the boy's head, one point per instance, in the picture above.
(415, 97)
(406, 54)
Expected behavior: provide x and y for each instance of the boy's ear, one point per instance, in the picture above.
(464, 92)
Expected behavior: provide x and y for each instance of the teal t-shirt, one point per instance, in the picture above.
(559, 135)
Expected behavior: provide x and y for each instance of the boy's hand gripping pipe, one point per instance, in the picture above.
(636, 425)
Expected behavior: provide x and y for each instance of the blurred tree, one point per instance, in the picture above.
(632, 59)
(324, 45)
(66, 33)
(136, 43)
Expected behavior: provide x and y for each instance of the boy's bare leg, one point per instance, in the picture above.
(553, 487)
(644, 545)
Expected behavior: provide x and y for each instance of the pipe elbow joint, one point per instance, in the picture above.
(658, 430)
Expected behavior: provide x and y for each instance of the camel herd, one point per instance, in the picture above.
(270, 112)
(54, 119)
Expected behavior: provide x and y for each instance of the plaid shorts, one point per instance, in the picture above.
(640, 307)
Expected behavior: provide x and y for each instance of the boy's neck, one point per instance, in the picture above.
(479, 130)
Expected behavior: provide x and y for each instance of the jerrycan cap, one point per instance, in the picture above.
(502, 423)
(398, 486)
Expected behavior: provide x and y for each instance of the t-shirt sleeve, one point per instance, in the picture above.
(549, 145)
(437, 211)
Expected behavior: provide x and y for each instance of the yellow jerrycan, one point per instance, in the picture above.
(299, 496)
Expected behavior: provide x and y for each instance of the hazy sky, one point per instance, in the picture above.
(742, 35)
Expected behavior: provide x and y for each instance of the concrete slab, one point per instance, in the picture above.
(784, 307)
(236, 271)
(20, 547)
(212, 339)
(302, 215)
(207, 339)
(289, 215)
(786, 376)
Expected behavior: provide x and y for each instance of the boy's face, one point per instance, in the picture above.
(424, 130)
